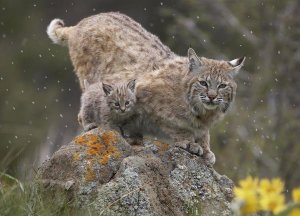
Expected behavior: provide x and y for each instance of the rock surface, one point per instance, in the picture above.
(101, 171)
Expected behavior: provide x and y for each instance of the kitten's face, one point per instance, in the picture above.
(211, 84)
(120, 99)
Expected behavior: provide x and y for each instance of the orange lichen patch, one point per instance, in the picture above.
(110, 151)
(95, 149)
(76, 156)
(104, 159)
(109, 137)
(90, 174)
(161, 146)
(91, 141)
(87, 139)
(104, 148)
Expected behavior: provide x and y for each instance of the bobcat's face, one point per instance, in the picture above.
(210, 82)
(120, 98)
(213, 92)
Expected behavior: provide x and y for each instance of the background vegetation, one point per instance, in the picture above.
(39, 92)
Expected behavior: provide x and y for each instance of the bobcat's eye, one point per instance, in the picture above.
(126, 103)
(117, 104)
(222, 85)
(203, 83)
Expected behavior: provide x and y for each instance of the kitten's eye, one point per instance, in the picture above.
(222, 86)
(117, 104)
(203, 83)
(127, 103)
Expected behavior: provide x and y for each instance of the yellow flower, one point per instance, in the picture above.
(249, 183)
(275, 186)
(296, 195)
(248, 199)
(272, 202)
(295, 212)
(247, 193)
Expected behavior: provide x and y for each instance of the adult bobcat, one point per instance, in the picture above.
(109, 45)
(185, 99)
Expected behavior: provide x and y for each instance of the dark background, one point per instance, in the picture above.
(39, 91)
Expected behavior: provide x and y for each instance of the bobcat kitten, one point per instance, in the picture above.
(110, 106)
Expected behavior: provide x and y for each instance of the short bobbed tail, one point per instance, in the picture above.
(57, 32)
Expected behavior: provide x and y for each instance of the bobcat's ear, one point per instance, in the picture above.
(194, 61)
(107, 89)
(236, 64)
(131, 85)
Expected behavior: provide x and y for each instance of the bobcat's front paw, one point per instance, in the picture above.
(193, 148)
(210, 157)
(89, 127)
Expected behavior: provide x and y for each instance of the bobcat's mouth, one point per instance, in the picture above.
(122, 113)
(210, 105)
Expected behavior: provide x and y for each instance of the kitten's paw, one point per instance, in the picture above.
(210, 157)
(193, 148)
(196, 149)
(89, 127)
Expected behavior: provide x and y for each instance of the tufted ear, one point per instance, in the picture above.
(236, 64)
(107, 89)
(131, 85)
(194, 61)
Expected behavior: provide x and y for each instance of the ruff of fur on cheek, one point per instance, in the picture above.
(99, 149)
(223, 107)
(197, 108)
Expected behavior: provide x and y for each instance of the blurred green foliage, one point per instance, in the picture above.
(19, 199)
(40, 93)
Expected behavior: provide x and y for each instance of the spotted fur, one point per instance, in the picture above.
(107, 44)
(181, 104)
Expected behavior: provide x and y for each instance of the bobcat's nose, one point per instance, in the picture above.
(122, 109)
(211, 95)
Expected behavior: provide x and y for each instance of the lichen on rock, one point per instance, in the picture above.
(102, 147)
(99, 169)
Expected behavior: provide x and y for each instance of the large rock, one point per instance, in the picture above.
(101, 171)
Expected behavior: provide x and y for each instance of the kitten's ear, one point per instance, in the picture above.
(131, 85)
(194, 61)
(107, 89)
(236, 64)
